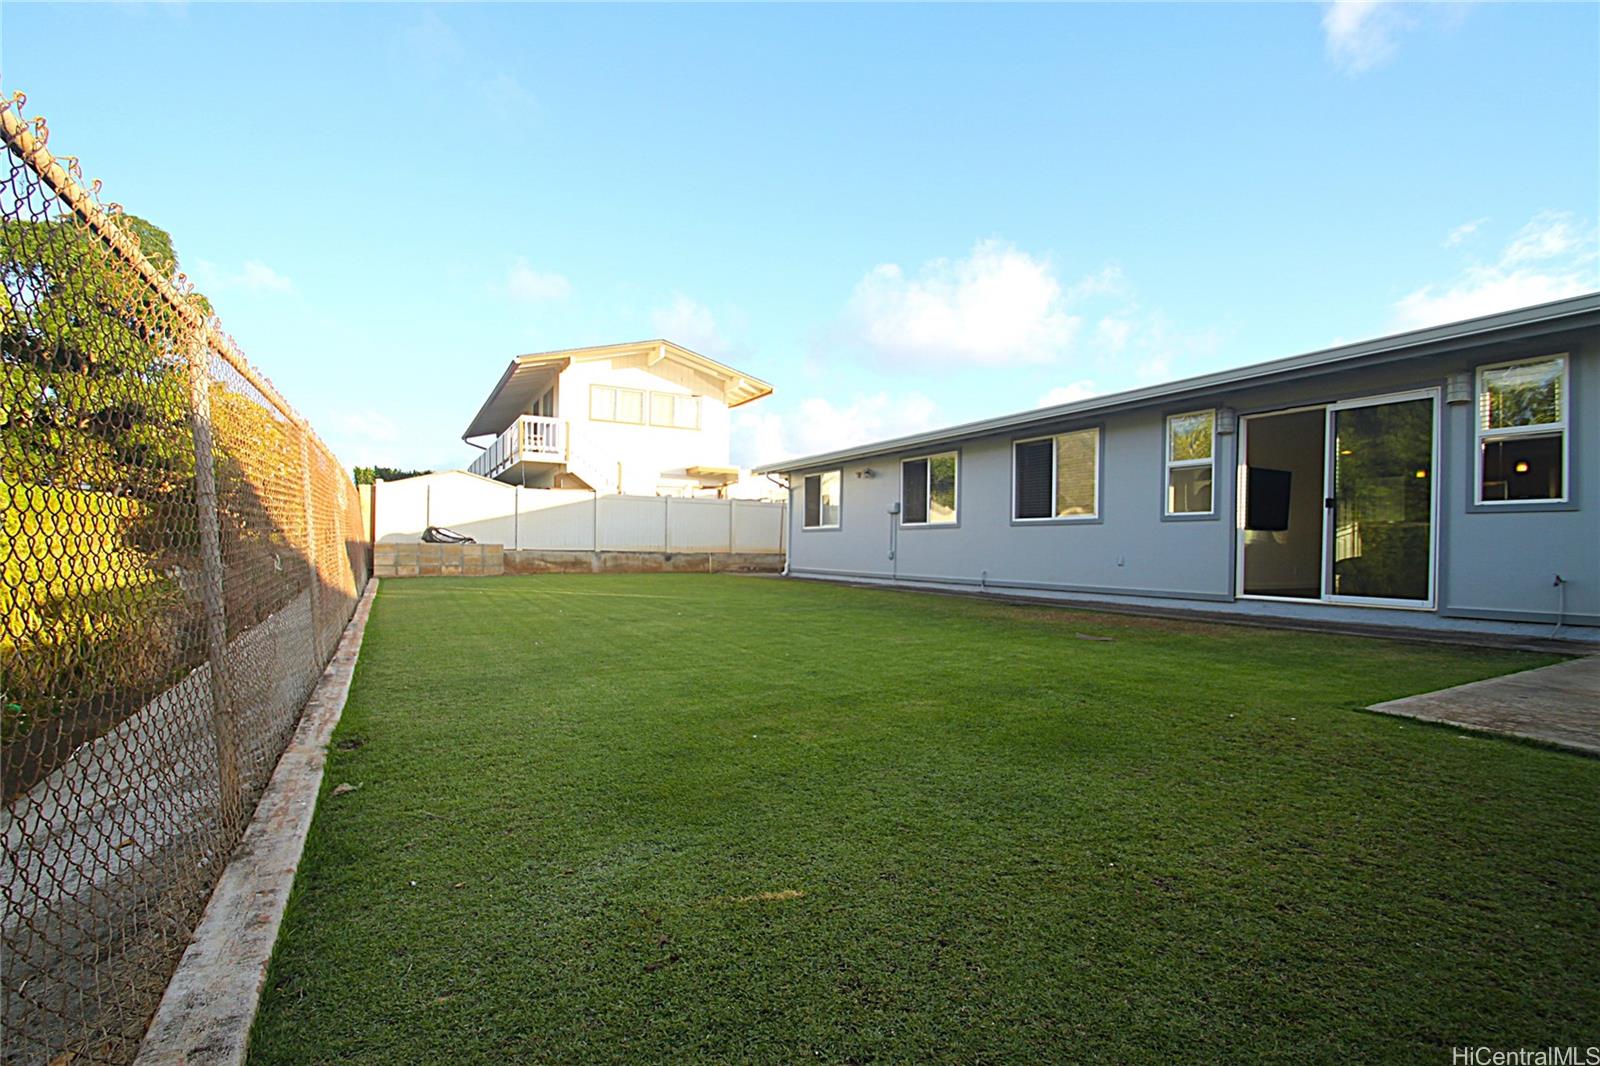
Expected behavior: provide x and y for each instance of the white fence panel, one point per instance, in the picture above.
(484, 510)
(555, 520)
(698, 526)
(633, 523)
(567, 520)
(757, 526)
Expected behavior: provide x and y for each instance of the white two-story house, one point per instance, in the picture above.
(648, 418)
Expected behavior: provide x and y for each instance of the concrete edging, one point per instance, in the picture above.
(210, 1004)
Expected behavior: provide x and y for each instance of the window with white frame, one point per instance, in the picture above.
(1057, 477)
(822, 500)
(1522, 431)
(1191, 463)
(608, 403)
(928, 490)
(674, 410)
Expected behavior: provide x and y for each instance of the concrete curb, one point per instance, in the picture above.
(210, 1004)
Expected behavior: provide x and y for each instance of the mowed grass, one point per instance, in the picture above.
(710, 818)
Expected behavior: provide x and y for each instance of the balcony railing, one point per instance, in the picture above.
(530, 439)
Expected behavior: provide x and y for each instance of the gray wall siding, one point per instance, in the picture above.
(1491, 565)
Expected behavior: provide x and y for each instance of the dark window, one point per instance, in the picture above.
(813, 493)
(1035, 473)
(914, 491)
(1523, 468)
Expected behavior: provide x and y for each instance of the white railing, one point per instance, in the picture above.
(530, 439)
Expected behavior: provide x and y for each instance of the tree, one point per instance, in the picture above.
(366, 475)
(96, 472)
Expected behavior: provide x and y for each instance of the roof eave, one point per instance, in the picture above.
(1568, 313)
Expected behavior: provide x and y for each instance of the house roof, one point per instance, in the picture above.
(1570, 313)
(529, 375)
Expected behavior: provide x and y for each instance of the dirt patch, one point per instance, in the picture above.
(781, 896)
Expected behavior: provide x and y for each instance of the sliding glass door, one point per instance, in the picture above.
(1382, 500)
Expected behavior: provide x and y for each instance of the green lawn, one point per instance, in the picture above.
(712, 818)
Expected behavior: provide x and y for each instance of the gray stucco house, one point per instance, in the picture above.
(1445, 478)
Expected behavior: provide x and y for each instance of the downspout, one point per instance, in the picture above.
(785, 541)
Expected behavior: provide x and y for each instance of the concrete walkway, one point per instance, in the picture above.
(1558, 705)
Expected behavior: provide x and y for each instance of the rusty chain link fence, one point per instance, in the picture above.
(180, 555)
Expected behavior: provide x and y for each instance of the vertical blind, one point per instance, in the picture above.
(1035, 472)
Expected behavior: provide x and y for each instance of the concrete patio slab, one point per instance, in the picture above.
(1557, 705)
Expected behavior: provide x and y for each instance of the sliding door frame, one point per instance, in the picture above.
(1330, 489)
(1329, 454)
(1241, 491)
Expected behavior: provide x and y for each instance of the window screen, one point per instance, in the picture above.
(914, 491)
(1190, 462)
(630, 406)
(1522, 430)
(1078, 474)
(822, 499)
(661, 408)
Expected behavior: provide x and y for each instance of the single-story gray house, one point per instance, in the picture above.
(1445, 478)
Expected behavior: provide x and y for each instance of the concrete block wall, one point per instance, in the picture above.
(438, 560)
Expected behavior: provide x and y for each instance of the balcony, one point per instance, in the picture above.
(530, 439)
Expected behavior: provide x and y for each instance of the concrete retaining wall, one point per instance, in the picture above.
(559, 562)
(438, 560)
(490, 560)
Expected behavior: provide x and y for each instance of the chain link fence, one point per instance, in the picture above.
(180, 554)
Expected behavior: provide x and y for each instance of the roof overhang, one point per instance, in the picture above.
(720, 475)
(530, 375)
(1574, 313)
(524, 381)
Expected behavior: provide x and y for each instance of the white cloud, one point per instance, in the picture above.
(1548, 235)
(1552, 257)
(258, 277)
(1113, 333)
(998, 306)
(1109, 280)
(1360, 34)
(252, 276)
(1069, 393)
(1462, 232)
(527, 285)
(820, 425)
(690, 324)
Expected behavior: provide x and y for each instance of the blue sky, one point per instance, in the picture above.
(901, 216)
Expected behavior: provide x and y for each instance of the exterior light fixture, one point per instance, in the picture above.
(1458, 388)
(1227, 421)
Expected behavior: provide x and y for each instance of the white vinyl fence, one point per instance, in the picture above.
(491, 512)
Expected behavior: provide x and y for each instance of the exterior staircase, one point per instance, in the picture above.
(597, 472)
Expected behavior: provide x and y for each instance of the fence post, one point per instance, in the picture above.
(666, 525)
(732, 503)
(224, 727)
(315, 590)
